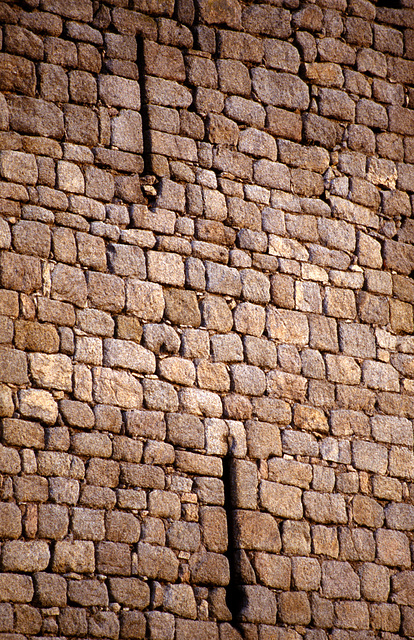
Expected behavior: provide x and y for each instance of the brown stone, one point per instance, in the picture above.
(17, 74)
(256, 531)
(20, 273)
(35, 117)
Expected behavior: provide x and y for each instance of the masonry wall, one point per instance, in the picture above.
(206, 318)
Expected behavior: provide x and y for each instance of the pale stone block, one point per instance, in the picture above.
(116, 387)
(70, 177)
(145, 299)
(39, 405)
(281, 500)
(53, 371)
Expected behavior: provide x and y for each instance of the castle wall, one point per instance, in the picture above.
(206, 319)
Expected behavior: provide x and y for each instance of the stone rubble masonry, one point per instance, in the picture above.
(206, 319)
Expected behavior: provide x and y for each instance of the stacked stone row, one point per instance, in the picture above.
(223, 291)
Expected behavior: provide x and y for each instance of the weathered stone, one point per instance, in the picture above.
(20, 273)
(229, 13)
(356, 340)
(247, 380)
(81, 124)
(280, 89)
(181, 307)
(130, 592)
(145, 300)
(50, 589)
(39, 405)
(23, 433)
(25, 556)
(157, 562)
(119, 92)
(15, 588)
(392, 548)
(128, 355)
(294, 607)
(209, 568)
(321, 130)
(281, 500)
(69, 285)
(367, 512)
(324, 507)
(17, 74)
(263, 439)
(378, 375)
(256, 531)
(113, 558)
(117, 387)
(10, 521)
(31, 488)
(51, 371)
(271, 21)
(339, 580)
(258, 605)
(35, 117)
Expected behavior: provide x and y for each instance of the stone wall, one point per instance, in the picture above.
(206, 318)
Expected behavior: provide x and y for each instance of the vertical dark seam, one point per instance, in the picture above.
(144, 103)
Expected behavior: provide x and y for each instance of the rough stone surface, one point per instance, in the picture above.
(206, 318)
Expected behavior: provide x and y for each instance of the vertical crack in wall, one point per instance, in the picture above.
(233, 588)
(144, 105)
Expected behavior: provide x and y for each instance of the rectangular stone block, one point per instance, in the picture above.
(18, 555)
(128, 355)
(199, 464)
(286, 385)
(35, 117)
(50, 589)
(15, 588)
(291, 472)
(13, 367)
(166, 268)
(280, 89)
(10, 521)
(166, 62)
(157, 562)
(401, 463)
(20, 273)
(380, 375)
(145, 300)
(244, 484)
(35, 336)
(281, 500)
(325, 508)
(31, 488)
(167, 93)
(23, 433)
(52, 371)
(17, 74)
(369, 456)
(113, 558)
(117, 387)
(119, 92)
(255, 530)
(393, 550)
(143, 476)
(339, 580)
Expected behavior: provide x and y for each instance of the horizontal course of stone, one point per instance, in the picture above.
(206, 319)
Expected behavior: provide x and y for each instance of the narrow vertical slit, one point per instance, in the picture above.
(144, 103)
(232, 591)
